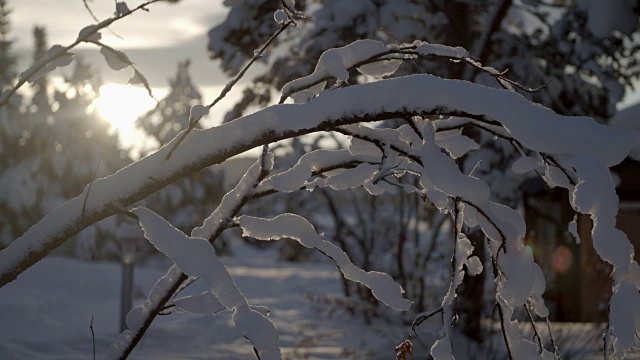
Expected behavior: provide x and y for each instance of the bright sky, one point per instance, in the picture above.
(164, 25)
(155, 41)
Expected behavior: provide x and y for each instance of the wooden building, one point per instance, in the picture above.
(578, 282)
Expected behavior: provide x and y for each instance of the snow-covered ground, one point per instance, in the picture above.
(46, 313)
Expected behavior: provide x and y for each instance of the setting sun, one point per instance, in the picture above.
(122, 104)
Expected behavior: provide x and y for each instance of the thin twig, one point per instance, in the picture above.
(500, 76)
(86, 197)
(536, 335)
(496, 275)
(504, 332)
(550, 159)
(412, 124)
(27, 74)
(93, 178)
(503, 244)
(256, 352)
(556, 351)
(123, 57)
(422, 318)
(86, 5)
(414, 58)
(93, 337)
(257, 55)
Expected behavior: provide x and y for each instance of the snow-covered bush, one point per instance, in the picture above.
(417, 157)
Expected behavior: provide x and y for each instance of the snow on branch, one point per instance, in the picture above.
(136, 319)
(297, 176)
(370, 57)
(140, 317)
(383, 287)
(196, 257)
(536, 127)
(234, 199)
(374, 58)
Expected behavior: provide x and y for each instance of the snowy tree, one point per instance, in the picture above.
(419, 156)
(68, 144)
(8, 129)
(7, 58)
(585, 56)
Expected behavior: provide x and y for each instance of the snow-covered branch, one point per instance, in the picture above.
(298, 228)
(196, 257)
(395, 98)
(140, 318)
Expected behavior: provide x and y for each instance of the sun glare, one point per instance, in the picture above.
(121, 105)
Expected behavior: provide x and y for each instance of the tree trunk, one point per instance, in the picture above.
(471, 293)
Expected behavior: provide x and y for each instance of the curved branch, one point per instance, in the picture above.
(394, 98)
(212, 228)
(257, 55)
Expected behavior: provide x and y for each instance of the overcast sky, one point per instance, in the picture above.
(156, 40)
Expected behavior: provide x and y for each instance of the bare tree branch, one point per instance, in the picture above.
(26, 76)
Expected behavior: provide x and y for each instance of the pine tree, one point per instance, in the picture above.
(10, 132)
(8, 114)
(7, 58)
(59, 145)
(40, 100)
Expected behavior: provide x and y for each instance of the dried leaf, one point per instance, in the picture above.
(138, 78)
(117, 60)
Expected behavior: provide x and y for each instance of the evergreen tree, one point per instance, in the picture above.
(7, 58)
(57, 147)
(10, 131)
(40, 100)
(171, 114)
